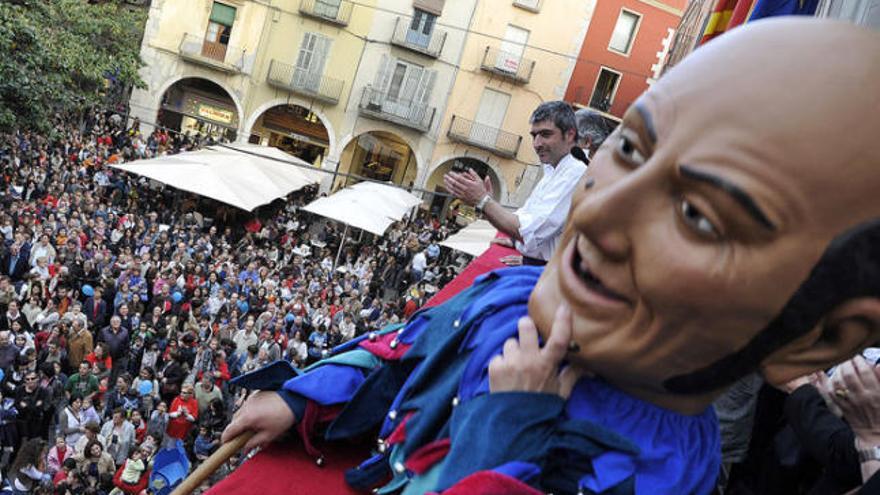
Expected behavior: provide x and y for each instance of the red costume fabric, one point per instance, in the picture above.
(485, 263)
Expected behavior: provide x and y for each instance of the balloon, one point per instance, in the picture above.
(243, 306)
(288, 318)
(88, 290)
(177, 297)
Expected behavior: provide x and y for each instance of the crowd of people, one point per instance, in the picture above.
(126, 307)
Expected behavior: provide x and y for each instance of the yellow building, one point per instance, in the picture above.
(399, 90)
(277, 74)
(519, 53)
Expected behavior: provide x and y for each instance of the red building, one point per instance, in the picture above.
(622, 52)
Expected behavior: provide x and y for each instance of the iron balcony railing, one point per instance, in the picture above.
(379, 105)
(491, 139)
(290, 78)
(334, 11)
(229, 58)
(416, 40)
(532, 5)
(508, 65)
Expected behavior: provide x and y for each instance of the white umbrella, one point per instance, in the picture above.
(474, 239)
(244, 176)
(368, 206)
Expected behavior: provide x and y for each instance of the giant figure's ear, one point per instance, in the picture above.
(841, 334)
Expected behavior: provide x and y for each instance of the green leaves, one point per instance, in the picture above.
(59, 56)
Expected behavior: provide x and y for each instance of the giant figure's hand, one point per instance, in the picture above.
(524, 366)
(264, 413)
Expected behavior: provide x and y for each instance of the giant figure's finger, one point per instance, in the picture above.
(528, 335)
(568, 377)
(556, 346)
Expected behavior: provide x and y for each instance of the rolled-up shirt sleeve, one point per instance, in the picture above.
(543, 216)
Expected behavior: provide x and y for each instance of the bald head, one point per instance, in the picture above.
(724, 215)
(798, 93)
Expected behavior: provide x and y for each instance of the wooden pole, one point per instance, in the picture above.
(212, 464)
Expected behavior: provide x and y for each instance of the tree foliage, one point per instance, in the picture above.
(60, 57)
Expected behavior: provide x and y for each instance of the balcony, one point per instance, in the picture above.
(530, 5)
(289, 78)
(493, 140)
(379, 105)
(335, 12)
(226, 58)
(508, 65)
(416, 41)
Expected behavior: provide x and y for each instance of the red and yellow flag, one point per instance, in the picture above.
(726, 15)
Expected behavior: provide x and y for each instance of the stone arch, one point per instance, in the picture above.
(333, 151)
(157, 97)
(492, 167)
(412, 143)
(353, 158)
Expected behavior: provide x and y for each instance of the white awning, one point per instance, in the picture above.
(368, 206)
(243, 175)
(473, 239)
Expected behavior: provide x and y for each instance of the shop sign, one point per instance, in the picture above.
(216, 114)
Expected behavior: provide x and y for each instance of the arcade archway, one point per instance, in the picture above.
(378, 155)
(294, 129)
(199, 108)
(439, 202)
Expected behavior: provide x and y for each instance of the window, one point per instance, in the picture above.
(219, 31)
(512, 47)
(624, 32)
(420, 28)
(603, 93)
(310, 61)
(533, 5)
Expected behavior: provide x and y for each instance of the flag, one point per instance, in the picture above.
(740, 13)
(772, 8)
(718, 19)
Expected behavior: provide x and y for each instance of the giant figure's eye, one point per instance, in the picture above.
(695, 219)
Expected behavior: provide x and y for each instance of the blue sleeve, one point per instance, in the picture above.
(295, 402)
(492, 430)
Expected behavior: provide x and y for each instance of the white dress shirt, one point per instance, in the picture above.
(543, 216)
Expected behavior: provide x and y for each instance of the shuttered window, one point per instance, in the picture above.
(223, 14)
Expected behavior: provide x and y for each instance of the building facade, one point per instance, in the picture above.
(392, 90)
(696, 17)
(622, 53)
(518, 54)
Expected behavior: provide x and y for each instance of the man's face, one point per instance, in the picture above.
(84, 369)
(698, 229)
(550, 144)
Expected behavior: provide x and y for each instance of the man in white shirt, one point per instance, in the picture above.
(534, 228)
(419, 263)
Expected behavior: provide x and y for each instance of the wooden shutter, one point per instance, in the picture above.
(383, 75)
(223, 14)
(426, 85)
(319, 56)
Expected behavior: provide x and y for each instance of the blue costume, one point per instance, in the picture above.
(424, 387)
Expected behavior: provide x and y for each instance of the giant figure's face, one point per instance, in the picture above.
(715, 198)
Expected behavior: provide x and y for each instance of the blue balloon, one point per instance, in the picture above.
(88, 290)
(288, 317)
(177, 297)
(243, 307)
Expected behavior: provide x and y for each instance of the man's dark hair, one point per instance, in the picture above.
(558, 112)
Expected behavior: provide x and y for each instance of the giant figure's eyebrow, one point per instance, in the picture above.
(735, 192)
(647, 121)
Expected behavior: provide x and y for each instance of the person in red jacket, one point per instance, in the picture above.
(183, 414)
